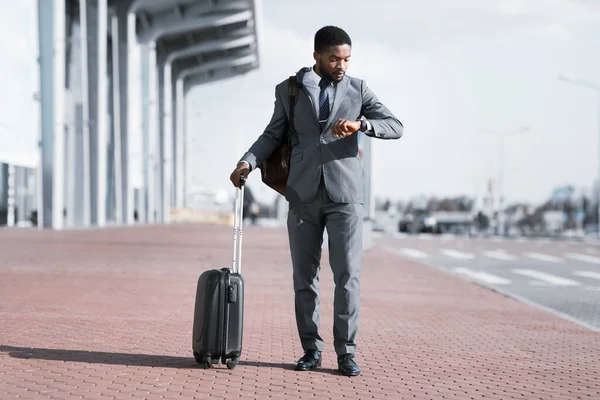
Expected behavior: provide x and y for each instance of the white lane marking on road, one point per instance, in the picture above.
(482, 276)
(458, 254)
(548, 278)
(543, 257)
(590, 250)
(583, 257)
(588, 274)
(413, 253)
(499, 255)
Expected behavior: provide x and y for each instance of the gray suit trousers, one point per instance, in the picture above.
(306, 224)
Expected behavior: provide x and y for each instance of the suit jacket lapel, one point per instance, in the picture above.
(340, 94)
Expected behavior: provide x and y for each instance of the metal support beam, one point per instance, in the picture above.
(51, 31)
(167, 144)
(120, 35)
(172, 26)
(214, 75)
(160, 162)
(180, 141)
(134, 127)
(154, 121)
(85, 114)
(145, 103)
(116, 120)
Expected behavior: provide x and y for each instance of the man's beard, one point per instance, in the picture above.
(324, 73)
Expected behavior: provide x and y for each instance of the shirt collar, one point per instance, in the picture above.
(313, 76)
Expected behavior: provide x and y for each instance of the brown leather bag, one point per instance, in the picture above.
(276, 168)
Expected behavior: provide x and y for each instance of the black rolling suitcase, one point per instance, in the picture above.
(219, 309)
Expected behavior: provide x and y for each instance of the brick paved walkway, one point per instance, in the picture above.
(107, 314)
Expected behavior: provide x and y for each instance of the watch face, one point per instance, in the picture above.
(363, 125)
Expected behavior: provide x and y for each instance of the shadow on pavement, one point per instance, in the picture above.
(100, 357)
(128, 359)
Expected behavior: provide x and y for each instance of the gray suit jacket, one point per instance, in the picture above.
(317, 152)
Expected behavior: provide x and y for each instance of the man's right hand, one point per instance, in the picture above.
(240, 172)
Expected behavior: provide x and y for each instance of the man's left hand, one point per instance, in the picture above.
(343, 128)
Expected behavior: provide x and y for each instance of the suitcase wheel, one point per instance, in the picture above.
(205, 362)
(231, 364)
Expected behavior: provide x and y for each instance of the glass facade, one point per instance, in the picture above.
(24, 194)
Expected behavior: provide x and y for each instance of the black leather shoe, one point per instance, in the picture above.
(310, 360)
(347, 366)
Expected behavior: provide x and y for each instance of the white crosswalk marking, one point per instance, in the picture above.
(583, 257)
(543, 257)
(482, 276)
(548, 278)
(458, 254)
(413, 253)
(499, 255)
(588, 274)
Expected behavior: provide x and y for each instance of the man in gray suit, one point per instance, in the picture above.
(325, 187)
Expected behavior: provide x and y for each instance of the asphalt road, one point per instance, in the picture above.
(558, 276)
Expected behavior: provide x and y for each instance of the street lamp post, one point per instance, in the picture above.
(501, 203)
(589, 85)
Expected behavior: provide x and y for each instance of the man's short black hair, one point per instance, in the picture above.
(330, 36)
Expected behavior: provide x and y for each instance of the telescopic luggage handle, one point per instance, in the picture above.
(237, 228)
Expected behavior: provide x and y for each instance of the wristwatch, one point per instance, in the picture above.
(363, 125)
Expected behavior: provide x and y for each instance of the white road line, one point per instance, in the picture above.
(414, 253)
(588, 274)
(548, 278)
(584, 258)
(425, 236)
(458, 254)
(499, 255)
(543, 257)
(590, 250)
(482, 276)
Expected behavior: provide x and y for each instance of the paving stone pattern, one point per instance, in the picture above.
(107, 314)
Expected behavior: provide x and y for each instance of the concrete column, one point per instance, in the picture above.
(179, 144)
(51, 31)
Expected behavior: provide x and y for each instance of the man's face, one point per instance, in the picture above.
(333, 62)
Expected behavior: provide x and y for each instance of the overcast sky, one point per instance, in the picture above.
(457, 74)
